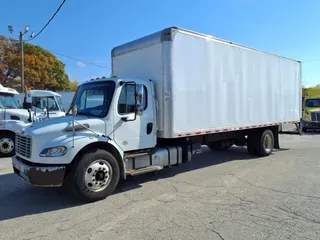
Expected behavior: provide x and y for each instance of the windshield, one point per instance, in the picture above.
(59, 100)
(44, 102)
(313, 103)
(8, 101)
(94, 99)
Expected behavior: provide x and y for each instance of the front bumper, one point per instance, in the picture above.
(41, 176)
(311, 125)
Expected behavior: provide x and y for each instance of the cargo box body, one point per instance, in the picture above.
(206, 85)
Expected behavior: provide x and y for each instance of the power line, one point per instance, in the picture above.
(63, 2)
(60, 6)
(76, 59)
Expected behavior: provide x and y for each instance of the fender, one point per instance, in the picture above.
(13, 125)
(82, 143)
(108, 145)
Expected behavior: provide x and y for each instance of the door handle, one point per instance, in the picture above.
(149, 128)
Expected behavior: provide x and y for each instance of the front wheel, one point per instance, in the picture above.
(7, 144)
(95, 176)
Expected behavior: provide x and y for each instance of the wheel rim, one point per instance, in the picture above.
(98, 175)
(268, 143)
(6, 145)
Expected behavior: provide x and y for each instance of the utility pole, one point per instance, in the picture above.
(22, 62)
(26, 29)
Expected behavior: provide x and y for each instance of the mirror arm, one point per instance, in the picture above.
(125, 119)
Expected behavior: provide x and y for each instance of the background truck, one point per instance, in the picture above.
(311, 109)
(46, 103)
(172, 92)
(39, 106)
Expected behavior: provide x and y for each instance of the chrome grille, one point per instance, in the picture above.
(315, 116)
(23, 145)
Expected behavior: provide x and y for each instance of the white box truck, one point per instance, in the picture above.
(170, 93)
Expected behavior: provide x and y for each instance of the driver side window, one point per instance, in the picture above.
(127, 101)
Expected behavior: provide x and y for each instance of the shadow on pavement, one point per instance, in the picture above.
(18, 198)
(207, 158)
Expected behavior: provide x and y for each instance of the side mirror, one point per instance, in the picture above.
(27, 105)
(139, 95)
(30, 115)
(74, 110)
(139, 100)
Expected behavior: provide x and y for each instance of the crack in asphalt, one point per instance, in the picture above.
(291, 229)
(299, 215)
(219, 235)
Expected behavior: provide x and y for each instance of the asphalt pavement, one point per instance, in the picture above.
(218, 195)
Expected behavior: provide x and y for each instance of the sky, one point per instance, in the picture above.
(88, 30)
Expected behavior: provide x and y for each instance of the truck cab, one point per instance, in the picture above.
(114, 101)
(14, 117)
(113, 117)
(311, 110)
(44, 102)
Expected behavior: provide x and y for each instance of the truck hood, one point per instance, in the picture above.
(55, 127)
(22, 114)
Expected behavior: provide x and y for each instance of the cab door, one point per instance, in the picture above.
(133, 131)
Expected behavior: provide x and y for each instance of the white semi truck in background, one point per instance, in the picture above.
(39, 105)
(172, 92)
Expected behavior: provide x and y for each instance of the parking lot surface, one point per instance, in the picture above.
(219, 195)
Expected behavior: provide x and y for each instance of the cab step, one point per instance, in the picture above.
(149, 169)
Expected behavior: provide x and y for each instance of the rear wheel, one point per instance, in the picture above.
(95, 176)
(7, 144)
(265, 143)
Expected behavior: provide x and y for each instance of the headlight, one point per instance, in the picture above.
(53, 152)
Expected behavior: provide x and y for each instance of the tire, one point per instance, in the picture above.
(219, 146)
(264, 143)
(304, 129)
(93, 169)
(7, 144)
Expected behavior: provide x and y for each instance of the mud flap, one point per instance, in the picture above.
(276, 139)
(298, 126)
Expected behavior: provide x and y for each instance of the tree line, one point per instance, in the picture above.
(42, 70)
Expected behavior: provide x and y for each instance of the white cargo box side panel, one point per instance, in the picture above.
(218, 85)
